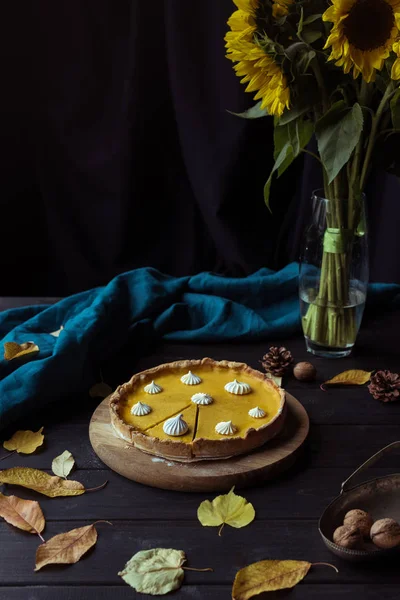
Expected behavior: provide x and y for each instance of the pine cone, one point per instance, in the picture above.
(385, 386)
(277, 360)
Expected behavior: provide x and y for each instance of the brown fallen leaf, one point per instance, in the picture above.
(352, 377)
(13, 350)
(67, 548)
(269, 576)
(100, 390)
(24, 514)
(39, 481)
(25, 442)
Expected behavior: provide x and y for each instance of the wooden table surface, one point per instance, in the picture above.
(347, 426)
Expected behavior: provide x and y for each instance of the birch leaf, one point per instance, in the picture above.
(25, 442)
(100, 390)
(268, 576)
(156, 572)
(39, 481)
(66, 548)
(62, 465)
(24, 514)
(352, 377)
(13, 350)
(228, 509)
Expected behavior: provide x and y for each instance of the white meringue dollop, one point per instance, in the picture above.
(153, 388)
(140, 409)
(225, 428)
(190, 379)
(175, 426)
(257, 412)
(201, 398)
(238, 387)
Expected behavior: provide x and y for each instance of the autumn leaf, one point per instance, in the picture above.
(228, 509)
(155, 572)
(25, 442)
(66, 548)
(275, 378)
(267, 576)
(270, 576)
(57, 332)
(13, 350)
(39, 481)
(62, 465)
(100, 390)
(352, 377)
(24, 514)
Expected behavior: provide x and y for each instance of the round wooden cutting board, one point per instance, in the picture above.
(203, 476)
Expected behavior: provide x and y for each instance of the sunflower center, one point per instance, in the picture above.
(369, 24)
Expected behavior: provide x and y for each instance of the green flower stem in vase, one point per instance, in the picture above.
(333, 278)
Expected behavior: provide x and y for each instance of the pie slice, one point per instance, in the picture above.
(228, 408)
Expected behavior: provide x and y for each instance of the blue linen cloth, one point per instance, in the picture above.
(134, 307)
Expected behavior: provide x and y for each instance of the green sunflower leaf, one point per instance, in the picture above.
(338, 132)
(289, 140)
(255, 112)
(395, 110)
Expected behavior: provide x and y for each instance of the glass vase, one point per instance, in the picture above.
(333, 275)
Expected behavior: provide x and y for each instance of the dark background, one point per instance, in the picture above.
(118, 151)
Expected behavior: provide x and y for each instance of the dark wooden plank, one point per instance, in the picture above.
(328, 446)
(226, 554)
(303, 591)
(298, 494)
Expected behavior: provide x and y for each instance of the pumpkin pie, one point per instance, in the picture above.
(198, 409)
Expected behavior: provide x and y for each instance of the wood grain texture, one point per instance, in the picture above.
(227, 554)
(304, 591)
(217, 475)
(347, 426)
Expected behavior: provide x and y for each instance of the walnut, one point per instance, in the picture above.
(385, 533)
(348, 537)
(360, 520)
(304, 371)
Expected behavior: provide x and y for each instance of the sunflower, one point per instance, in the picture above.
(259, 70)
(395, 74)
(280, 8)
(363, 34)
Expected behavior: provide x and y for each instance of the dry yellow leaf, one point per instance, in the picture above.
(13, 350)
(39, 481)
(62, 465)
(352, 377)
(24, 514)
(228, 509)
(66, 548)
(268, 576)
(25, 442)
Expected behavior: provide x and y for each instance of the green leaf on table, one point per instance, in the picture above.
(227, 509)
(254, 112)
(338, 132)
(62, 465)
(156, 572)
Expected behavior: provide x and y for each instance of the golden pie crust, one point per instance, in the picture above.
(193, 448)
